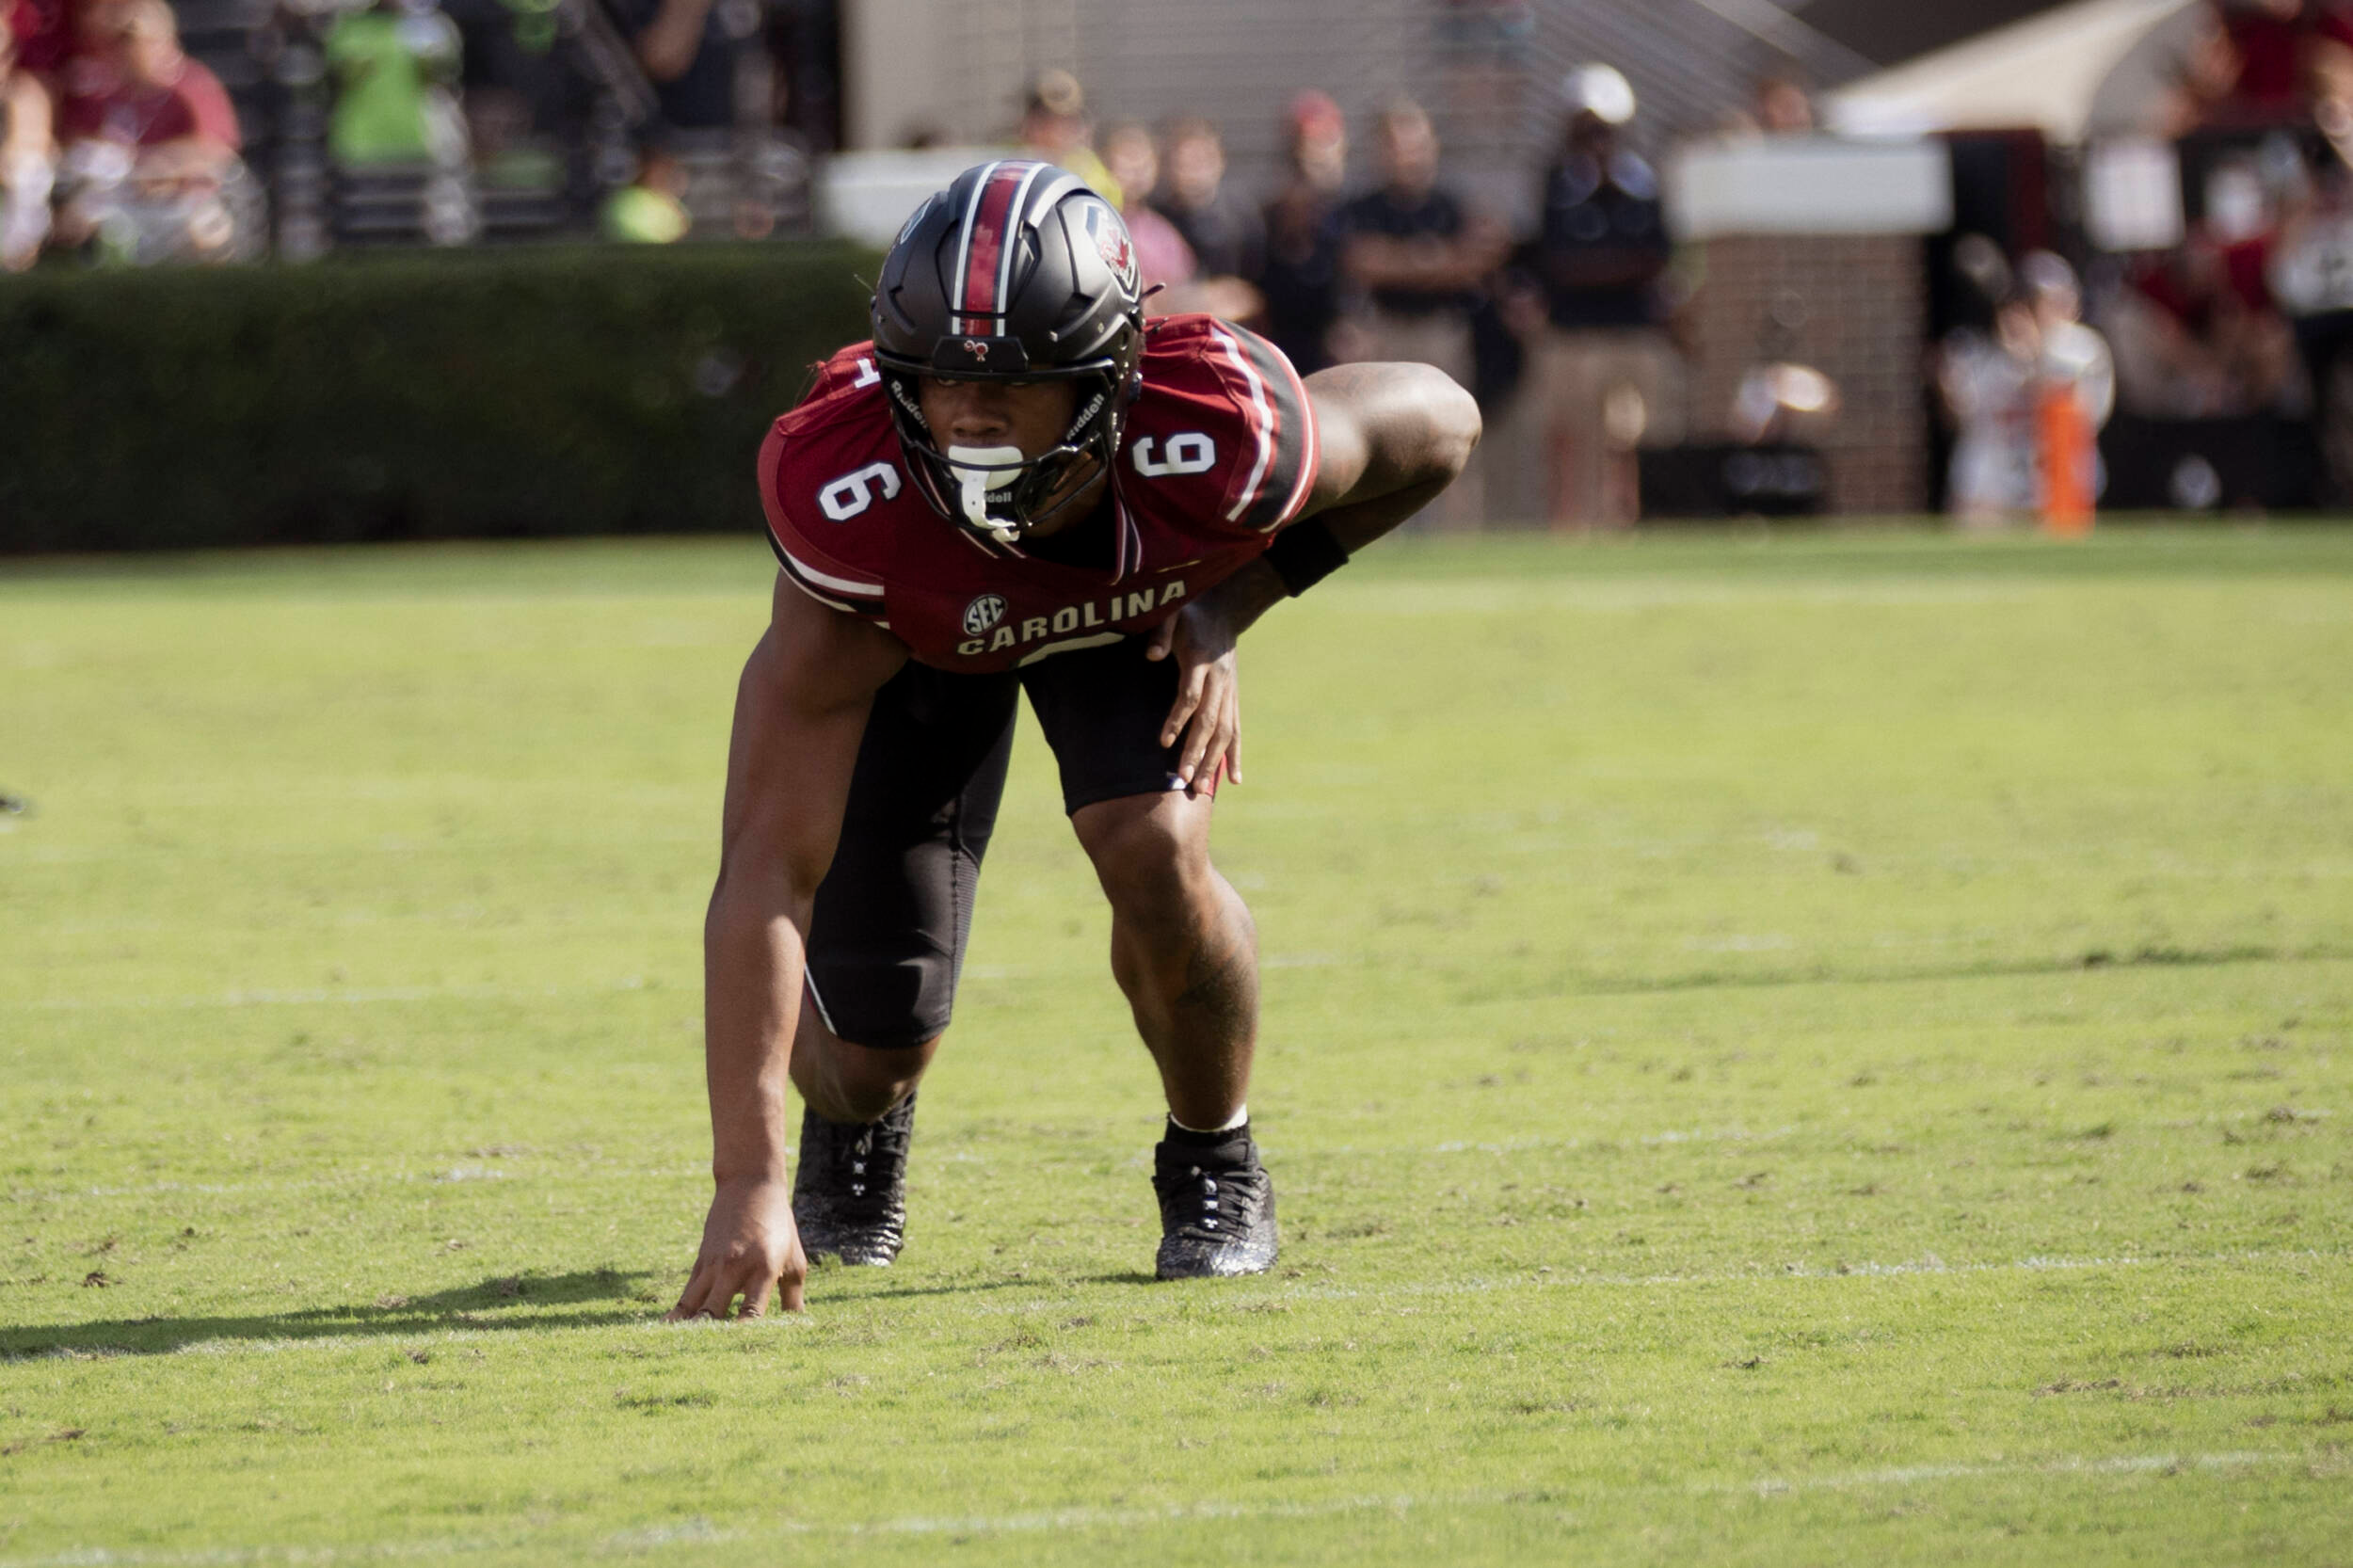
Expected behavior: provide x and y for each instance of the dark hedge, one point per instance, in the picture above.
(482, 395)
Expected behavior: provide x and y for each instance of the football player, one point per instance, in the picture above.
(1020, 484)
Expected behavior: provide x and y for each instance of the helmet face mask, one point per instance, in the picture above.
(1016, 272)
(999, 490)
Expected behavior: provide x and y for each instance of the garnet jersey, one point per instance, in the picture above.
(1218, 454)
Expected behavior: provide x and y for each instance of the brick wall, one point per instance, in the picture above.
(1852, 306)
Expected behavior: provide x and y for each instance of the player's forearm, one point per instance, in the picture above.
(753, 958)
(1242, 598)
(1357, 524)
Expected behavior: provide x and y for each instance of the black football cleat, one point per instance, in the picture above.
(1217, 1210)
(850, 1194)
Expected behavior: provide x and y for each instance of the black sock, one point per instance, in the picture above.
(1184, 1137)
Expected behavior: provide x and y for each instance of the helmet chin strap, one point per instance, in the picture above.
(981, 470)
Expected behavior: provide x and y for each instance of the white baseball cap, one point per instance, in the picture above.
(1600, 91)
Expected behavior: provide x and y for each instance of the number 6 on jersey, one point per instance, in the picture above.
(850, 494)
(1190, 453)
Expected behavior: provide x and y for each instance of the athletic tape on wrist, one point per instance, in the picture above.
(1305, 554)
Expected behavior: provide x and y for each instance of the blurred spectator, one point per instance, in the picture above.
(1163, 260)
(2311, 275)
(685, 48)
(394, 63)
(2188, 346)
(1994, 385)
(2268, 37)
(2168, 81)
(146, 160)
(650, 210)
(521, 98)
(2331, 67)
(1414, 250)
(43, 31)
(1779, 105)
(1609, 379)
(1055, 128)
(2074, 393)
(1300, 280)
(90, 66)
(1987, 383)
(2069, 354)
(2311, 267)
(2196, 333)
(1783, 108)
(1226, 233)
(2292, 60)
(27, 159)
(1419, 256)
(804, 42)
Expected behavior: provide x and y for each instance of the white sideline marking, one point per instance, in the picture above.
(700, 1532)
(2113, 1465)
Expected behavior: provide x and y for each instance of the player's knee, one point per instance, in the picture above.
(846, 1083)
(862, 1084)
(1153, 864)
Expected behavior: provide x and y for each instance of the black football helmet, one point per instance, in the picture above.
(1019, 272)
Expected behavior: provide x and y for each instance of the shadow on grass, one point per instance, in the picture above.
(587, 1299)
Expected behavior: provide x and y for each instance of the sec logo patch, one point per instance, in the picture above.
(982, 613)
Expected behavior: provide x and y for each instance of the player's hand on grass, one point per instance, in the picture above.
(1208, 709)
(750, 1249)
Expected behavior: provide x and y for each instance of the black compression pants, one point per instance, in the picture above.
(887, 940)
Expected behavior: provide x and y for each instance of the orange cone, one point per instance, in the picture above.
(2067, 463)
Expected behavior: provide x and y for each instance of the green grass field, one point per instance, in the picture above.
(1825, 1049)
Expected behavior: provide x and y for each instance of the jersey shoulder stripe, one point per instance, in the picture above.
(1273, 484)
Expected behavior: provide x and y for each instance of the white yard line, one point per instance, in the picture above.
(697, 1532)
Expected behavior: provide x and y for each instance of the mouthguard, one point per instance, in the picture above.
(981, 470)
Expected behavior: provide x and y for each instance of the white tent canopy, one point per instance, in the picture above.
(2038, 73)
